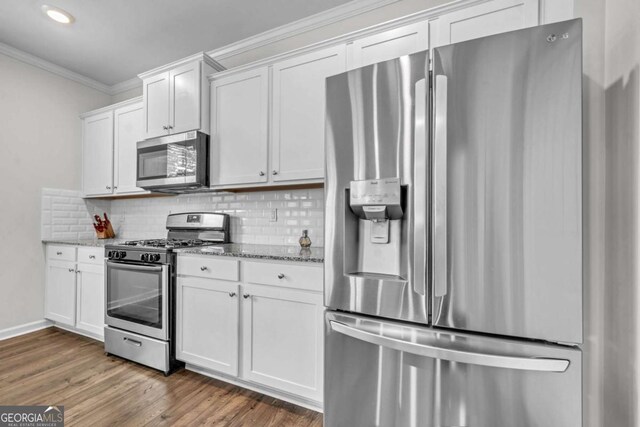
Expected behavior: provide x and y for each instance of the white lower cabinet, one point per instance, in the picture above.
(90, 298)
(60, 292)
(282, 333)
(208, 323)
(269, 337)
(74, 291)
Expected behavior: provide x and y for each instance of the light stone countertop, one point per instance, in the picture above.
(99, 243)
(273, 252)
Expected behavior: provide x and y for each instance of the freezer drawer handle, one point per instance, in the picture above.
(472, 358)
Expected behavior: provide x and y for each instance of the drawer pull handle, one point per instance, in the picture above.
(232, 294)
(72, 270)
(92, 257)
(281, 276)
(203, 268)
(58, 253)
(245, 296)
(132, 342)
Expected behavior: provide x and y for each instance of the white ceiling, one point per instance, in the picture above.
(112, 41)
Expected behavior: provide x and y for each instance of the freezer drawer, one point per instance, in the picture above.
(384, 373)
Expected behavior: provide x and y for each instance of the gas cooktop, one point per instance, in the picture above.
(168, 243)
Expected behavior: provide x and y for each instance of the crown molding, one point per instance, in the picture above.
(330, 16)
(27, 58)
(112, 107)
(200, 56)
(125, 86)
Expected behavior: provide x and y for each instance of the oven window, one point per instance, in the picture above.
(135, 295)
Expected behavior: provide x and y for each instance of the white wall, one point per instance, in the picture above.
(621, 302)
(41, 147)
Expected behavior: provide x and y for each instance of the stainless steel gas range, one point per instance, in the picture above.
(140, 288)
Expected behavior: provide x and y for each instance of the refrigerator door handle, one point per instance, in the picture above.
(420, 187)
(460, 356)
(440, 187)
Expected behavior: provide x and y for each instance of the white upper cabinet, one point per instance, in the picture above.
(155, 92)
(388, 45)
(127, 132)
(485, 19)
(239, 128)
(176, 98)
(184, 98)
(109, 141)
(97, 154)
(298, 109)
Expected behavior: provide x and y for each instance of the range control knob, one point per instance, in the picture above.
(156, 257)
(142, 257)
(116, 255)
(122, 254)
(110, 254)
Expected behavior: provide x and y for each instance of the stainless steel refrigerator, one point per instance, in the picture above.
(453, 236)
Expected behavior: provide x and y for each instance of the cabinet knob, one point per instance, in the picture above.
(203, 268)
(92, 257)
(170, 127)
(261, 173)
(232, 294)
(245, 296)
(165, 128)
(275, 172)
(58, 253)
(108, 188)
(281, 276)
(72, 270)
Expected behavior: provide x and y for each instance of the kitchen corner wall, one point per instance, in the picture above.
(65, 215)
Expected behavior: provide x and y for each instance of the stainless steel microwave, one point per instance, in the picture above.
(175, 163)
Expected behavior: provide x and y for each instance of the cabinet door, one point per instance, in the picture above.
(90, 298)
(207, 323)
(60, 292)
(128, 130)
(283, 339)
(239, 123)
(184, 98)
(298, 113)
(155, 97)
(388, 45)
(97, 154)
(485, 19)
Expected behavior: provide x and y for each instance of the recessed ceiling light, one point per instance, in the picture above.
(57, 14)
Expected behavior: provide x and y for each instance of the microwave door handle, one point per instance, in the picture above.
(420, 127)
(440, 187)
(460, 356)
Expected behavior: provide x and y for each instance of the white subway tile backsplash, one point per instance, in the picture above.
(66, 215)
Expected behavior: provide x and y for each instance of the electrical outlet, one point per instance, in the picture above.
(274, 215)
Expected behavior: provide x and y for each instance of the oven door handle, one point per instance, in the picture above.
(135, 267)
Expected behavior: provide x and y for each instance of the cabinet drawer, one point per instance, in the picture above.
(208, 267)
(61, 252)
(287, 275)
(90, 255)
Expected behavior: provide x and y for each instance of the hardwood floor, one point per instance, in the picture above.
(55, 367)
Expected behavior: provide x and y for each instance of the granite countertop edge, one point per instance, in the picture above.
(233, 250)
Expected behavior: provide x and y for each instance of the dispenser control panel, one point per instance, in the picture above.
(376, 192)
(376, 199)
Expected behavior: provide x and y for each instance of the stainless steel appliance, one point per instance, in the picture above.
(174, 164)
(140, 288)
(453, 236)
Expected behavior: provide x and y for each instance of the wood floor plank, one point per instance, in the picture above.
(52, 366)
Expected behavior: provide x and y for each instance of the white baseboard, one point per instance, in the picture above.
(79, 332)
(15, 331)
(296, 400)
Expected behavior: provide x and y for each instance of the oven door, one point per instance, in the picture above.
(136, 298)
(173, 161)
